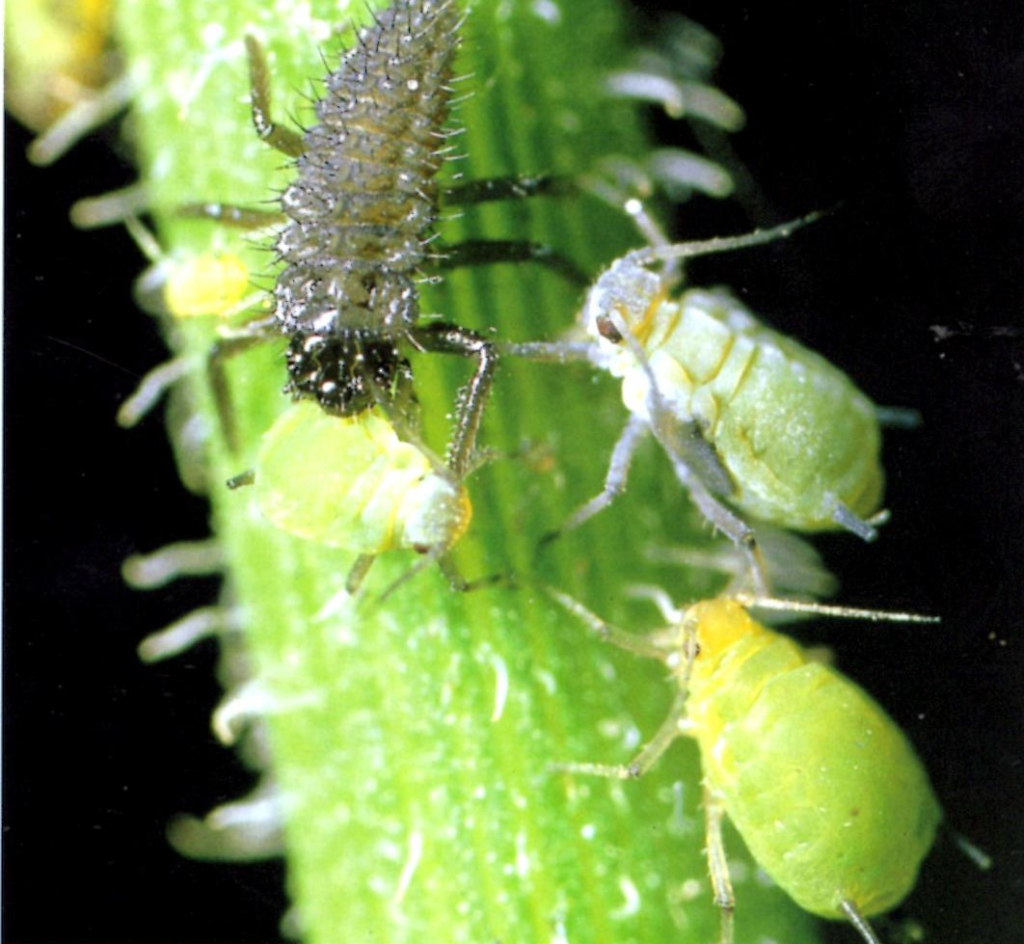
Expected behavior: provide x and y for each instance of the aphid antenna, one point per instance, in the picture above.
(704, 247)
(756, 601)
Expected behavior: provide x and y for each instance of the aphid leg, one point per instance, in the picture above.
(632, 642)
(614, 481)
(649, 755)
(718, 864)
(859, 922)
(475, 252)
(150, 389)
(472, 399)
(555, 352)
(280, 138)
(358, 573)
(722, 519)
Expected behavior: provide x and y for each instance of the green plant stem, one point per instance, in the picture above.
(413, 739)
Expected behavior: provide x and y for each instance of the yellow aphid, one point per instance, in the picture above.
(210, 284)
(60, 71)
(820, 782)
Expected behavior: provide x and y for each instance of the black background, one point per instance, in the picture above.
(913, 119)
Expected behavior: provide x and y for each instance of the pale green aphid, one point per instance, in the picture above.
(741, 410)
(822, 785)
(350, 482)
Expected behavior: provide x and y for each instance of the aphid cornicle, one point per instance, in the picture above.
(822, 785)
(741, 410)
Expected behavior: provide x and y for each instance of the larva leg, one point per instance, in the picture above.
(229, 215)
(474, 252)
(718, 865)
(648, 756)
(223, 350)
(451, 339)
(282, 139)
(614, 481)
(859, 922)
(506, 188)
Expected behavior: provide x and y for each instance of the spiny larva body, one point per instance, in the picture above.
(362, 205)
(823, 786)
(796, 437)
(350, 482)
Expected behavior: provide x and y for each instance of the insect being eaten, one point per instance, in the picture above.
(741, 411)
(822, 785)
(351, 482)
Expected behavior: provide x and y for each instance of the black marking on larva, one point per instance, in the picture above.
(362, 208)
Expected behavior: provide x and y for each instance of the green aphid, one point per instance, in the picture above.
(350, 482)
(744, 413)
(820, 782)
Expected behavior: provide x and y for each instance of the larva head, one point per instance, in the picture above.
(435, 514)
(345, 374)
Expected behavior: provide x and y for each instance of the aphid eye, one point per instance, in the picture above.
(606, 328)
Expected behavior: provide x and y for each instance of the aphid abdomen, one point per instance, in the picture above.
(823, 786)
(350, 482)
(793, 431)
(362, 206)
